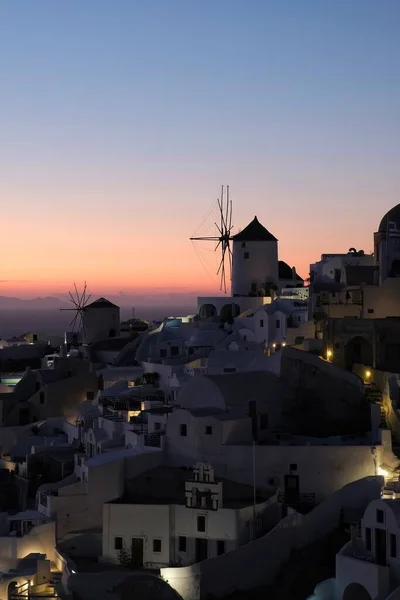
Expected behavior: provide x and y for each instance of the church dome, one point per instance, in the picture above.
(393, 216)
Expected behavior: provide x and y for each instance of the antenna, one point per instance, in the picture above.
(80, 301)
(223, 239)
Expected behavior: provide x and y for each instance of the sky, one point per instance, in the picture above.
(120, 120)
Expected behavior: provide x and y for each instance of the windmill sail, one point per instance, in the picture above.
(223, 238)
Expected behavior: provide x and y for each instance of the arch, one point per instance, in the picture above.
(355, 591)
(358, 350)
(207, 311)
(229, 311)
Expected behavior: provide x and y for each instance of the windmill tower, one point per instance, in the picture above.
(79, 301)
(222, 238)
(94, 322)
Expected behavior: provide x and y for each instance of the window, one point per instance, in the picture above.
(229, 369)
(243, 244)
(182, 543)
(201, 524)
(156, 545)
(246, 255)
(41, 397)
(278, 323)
(208, 430)
(163, 353)
(371, 311)
(183, 429)
(157, 425)
(253, 287)
(261, 322)
(118, 543)
(380, 516)
(220, 547)
(174, 350)
(368, 539)
(89, 395)
(393, 545)
(293, 467)
(263, 421)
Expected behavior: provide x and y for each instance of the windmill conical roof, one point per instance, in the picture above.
(254, 232)
(101, 303)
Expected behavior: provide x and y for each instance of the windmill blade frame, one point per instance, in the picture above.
(224, 238)
(79, 301)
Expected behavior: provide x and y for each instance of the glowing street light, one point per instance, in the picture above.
(329, 354)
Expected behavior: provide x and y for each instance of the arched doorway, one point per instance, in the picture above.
(355, 591)
(207, 311)
(358, 350)
(229, 311)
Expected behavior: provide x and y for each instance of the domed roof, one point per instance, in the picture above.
(392, 216)
(254, 232)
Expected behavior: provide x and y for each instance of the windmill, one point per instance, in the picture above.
(79, 301)
(223, 237)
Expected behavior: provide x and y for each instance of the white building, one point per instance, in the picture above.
(178, 517)
(387, 245)
(368, 567)
(331, 267)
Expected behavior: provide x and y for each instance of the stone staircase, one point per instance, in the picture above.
(42, 590)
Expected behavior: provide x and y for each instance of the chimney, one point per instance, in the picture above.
(294, 274)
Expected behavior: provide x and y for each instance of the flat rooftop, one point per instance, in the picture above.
(166, 485)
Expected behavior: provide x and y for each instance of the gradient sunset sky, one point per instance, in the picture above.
(120, 120)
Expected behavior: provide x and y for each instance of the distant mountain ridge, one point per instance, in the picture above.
(48, 302)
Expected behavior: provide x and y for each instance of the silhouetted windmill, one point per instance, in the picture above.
(223, 237)
(79, 301)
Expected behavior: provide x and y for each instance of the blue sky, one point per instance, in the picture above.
(120, 119)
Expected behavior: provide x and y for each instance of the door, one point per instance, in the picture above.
(201, 549)
(380, 546)
(137, 553)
